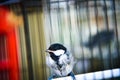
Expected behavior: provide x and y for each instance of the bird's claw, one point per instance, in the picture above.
(72, 75)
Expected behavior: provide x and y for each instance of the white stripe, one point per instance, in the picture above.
(95, 75)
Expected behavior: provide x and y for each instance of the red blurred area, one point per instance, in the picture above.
(7, 28)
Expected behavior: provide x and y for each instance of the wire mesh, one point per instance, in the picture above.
(89, 29)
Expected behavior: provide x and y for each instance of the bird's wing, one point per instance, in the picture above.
(50, 62)
(67, 59)
(53, 66)
(67, 62)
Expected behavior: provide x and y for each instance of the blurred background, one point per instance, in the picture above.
(90, 29)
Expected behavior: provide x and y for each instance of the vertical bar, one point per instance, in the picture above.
(116, 29)
(59, 21)
(1, 54)
(2, 48)
(69, 23)
(42, 56)
(109, 46)
(28, 46)
(6, 57)
(77, 5)
(3, 58)
(48, 10)
(99, 45)
(49, 14)
(89, 27)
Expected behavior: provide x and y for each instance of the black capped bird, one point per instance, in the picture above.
(60, 61)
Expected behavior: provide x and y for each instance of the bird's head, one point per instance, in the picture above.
(56, 49)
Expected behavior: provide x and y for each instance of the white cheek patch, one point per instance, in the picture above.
(59, 52)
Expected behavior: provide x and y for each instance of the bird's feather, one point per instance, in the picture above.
(66, 61)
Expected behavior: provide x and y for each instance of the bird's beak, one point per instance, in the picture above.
(48, 51)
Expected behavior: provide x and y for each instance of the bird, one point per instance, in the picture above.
(60, 61)
(104, 38)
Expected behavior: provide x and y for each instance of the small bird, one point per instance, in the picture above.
(60, 61)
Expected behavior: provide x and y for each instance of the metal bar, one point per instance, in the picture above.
(99, 45)
(3, 57)
(38, 21)
(28, 46)
(59, 22)
(2, 48)
(6, 56)
(116, 30)
(49, 13)
(107, 75)
(34, 3)
(8, 2)
(79, 24)
(89, 27)
(110, 60)
(69, 24)
(64, 1)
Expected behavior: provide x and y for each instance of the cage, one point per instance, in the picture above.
(88, 28)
